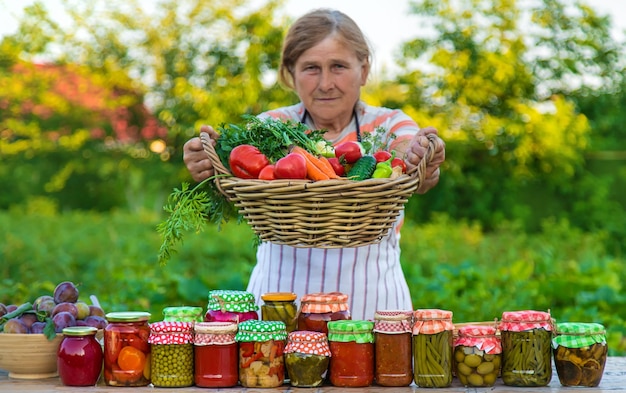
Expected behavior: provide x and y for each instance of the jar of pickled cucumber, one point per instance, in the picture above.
(182, 314)
(126, 349)
(579, 353)
(231, 306)
(526, 354)
(261, 353)
(317, 309)
(352, 353)
(477, 355)
(307, 357)
(393, 355)
(280, 306)
(215, 354)
(432, 348)
(172, 354)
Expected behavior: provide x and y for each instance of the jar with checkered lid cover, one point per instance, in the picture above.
(231, 306)
(171, 359)
(580, 351)
(261, 353)
(432, 348)
(216, 359)
(352, 353)
(307, 357)
(317, 309)
(477, 355)
(393, 356)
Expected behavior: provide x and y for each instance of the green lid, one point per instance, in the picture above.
(80, 331)
(234, 301)
(182, 314)
(350, 330)
(254, 330)
(578, 334)
(128, 316)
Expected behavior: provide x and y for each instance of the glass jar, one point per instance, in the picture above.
(352, 353)
(317, 309)
(182, 314)
(79, 357)
(432, 348)
(477, 355)
(231, 306)
(393, 355)
(579, 353)
(172, 354)
(307, 357)
(526, 354)
(280, 306)
(215, 354)
(126, 349)
(261, 353)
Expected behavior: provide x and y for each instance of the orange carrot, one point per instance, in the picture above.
(316, 168)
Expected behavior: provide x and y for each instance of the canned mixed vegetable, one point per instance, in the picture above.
(580, 351)
(261, 348)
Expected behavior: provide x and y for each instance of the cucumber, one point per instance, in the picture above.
(363, 168)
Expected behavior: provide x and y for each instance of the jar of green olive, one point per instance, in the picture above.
(477, 355)
(307, 357)
(432, 348)
(172, 354)
(579, 353)
(280, 306)
(183, 314)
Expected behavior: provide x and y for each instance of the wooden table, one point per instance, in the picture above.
(614, 380)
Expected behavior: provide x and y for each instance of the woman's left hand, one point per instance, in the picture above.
(416, 151)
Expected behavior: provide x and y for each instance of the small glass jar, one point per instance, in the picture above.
(172, 354)
(231, 306)
(261, 353)
(477, 355)
(317, 309)
(215, 354)
(526, 353)
(579, 353)
(182, 314)
(79, 357)
(307, 356)
(280, 306)
(126, 349)
(352, 353)
(432, 348)
(393, 355)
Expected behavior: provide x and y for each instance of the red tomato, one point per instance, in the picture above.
(292, 166)
(267, 173)
(399, 162)
(246, 162)
(337, 167)
(382, 156)
(350, 151)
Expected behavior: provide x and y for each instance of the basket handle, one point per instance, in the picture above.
(419, 171)
(207, 144)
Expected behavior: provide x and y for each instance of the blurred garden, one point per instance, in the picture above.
(530, 211)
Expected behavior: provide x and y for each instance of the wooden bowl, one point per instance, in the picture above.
(29, 356)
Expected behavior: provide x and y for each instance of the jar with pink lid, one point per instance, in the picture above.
(307, 356)
(477, 355)
(171, 359)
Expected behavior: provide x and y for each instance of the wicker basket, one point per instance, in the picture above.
(319, 214)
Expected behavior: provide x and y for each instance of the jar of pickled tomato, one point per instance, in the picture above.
(393, 356)
(261, 353)
(280, 306)
(317, 309)
(432, 348)
(477, 355)
(79, 357)
(171, 354)
(580, 351)
(307, 356)
(231, 306)
(215, 354)
(126, 349)
(182, 314)
(352, 353)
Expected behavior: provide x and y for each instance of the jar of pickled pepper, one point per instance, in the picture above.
(172, 354)
(215, 354)
(432, 348)
(307, 356)
(280, 306)
(477, 355)
(79, 357)
(317, 309)
(126, 349)
(352, 353)
(579, 353)
(231, 306)
(526, 348)
(393, 355)
(261, 353)
(182, 314)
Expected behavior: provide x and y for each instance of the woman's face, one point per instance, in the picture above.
(328, 79)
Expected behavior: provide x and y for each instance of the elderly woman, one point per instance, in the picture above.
(326, 60)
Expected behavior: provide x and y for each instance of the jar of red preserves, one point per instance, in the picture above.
(352, 353)
(317, 309)
(280, 306)
(307, 356)
(215, 354)
(79, 357)
(477, 355)
(432, 348)
(171, 354)
(393, 356)
(261, 358)
(231, 306)
(126, 349)
(579, 353)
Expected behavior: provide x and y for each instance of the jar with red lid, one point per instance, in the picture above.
(477, 355)
(231, 306)
(317, 309)
(432, 348)
(280, 306)
(261, 353)
(393, 355)
(215, 354)
(126, 349)
(79, 357)
(307, 356)
(352, 353)
(171, 358)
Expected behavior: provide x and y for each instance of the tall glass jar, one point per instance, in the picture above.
(579, 353)
(215, 354)
(526, 353)
(126, 349)
(79, 357)
(432, 348)
(261, 353)
(172, 354)
(352, 353)
(477, 355)
(317, 309)
(280, 306)
(183, 314)
(231, 306)
(307, 356)
(393, 355)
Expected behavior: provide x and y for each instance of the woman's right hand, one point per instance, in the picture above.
(198, 163)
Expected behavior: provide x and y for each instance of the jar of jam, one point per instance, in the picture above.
(393, 355)
(126, 349)
(280, 306)
(307, 356)
(317, 309)
(432, 348)
(215, 354)
(231, 306)
(182, 314)
(579, 353)
(352, 353)
(477, 355)
(79, 357)
(526, 353)
(261, 353)
(172, 354)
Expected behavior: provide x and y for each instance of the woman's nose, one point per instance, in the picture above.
(327, 81)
